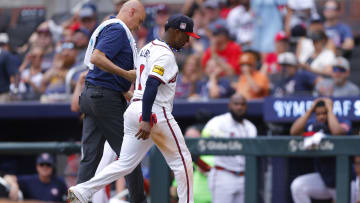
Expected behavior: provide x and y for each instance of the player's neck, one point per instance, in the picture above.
(167, 41)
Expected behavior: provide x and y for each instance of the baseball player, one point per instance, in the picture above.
(150, 110)
(226, 179)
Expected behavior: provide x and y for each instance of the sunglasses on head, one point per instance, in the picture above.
(45, 164)
(339, 69)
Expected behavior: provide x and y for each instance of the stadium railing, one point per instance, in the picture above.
(275, 146)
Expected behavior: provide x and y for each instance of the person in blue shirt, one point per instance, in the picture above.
(340, 33)
(9, 64)
(102, 101)
(44, 185)
(292, 80)
(319, 185)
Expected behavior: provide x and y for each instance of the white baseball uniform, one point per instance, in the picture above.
(156, 60)
(225, 183)
(311, 186)
(108, 156)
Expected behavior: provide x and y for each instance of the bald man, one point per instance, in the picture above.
(110, 57)
(226, 179)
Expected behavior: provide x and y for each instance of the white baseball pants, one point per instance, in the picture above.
(166, 134)
(226, 187)
(311, 185)
(108, 156)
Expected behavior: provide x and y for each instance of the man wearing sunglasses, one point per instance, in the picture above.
(338, 85)
(44, 185)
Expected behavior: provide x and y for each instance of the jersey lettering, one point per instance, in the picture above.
(158, 69)
(145, 53)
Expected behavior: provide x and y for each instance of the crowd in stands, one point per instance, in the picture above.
(256, 48)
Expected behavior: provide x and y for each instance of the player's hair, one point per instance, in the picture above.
(320, 103)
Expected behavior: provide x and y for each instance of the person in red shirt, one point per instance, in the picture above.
(224, 52)
(270, 65)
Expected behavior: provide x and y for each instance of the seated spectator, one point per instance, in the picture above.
(270, 65)
(226, 179)
(211, 9)
(190, 74)
(43, 39)
(292, 80)
(9, 64)
(252, 83)
(31, 77)
(158, 30)
(338, 85)
(45, 185)
(340, 33)
(9, 188)
(319, 185)
(212, 86)
(88, 17)
(53, 82)
(321, 61)
(223, 52)
(240, 22)
(80, 39)
(299, 14)
(305, 46)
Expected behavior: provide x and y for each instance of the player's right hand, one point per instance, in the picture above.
(144, 130)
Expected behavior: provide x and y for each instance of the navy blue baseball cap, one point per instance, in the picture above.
(45, 158)
(182, 23)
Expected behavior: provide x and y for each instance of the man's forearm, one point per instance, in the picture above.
(298, 127)
(99, 59)
(334, 125)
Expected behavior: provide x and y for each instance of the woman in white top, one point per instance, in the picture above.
(322, 58)
(31, 77)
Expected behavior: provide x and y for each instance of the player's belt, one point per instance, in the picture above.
(238, 173)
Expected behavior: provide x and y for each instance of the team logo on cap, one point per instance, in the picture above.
(182, 26)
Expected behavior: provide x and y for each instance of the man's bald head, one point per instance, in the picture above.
(237, 98)
(238, 107)
(132, 13)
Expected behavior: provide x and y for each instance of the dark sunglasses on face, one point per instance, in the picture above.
(45, 164)
(338, 69)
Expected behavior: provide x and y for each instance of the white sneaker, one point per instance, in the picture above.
(74, 196)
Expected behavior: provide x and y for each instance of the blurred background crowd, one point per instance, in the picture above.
(256, 48)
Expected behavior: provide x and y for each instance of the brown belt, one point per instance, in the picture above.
(238, 173)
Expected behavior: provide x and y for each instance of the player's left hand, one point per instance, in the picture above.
(144, 130)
